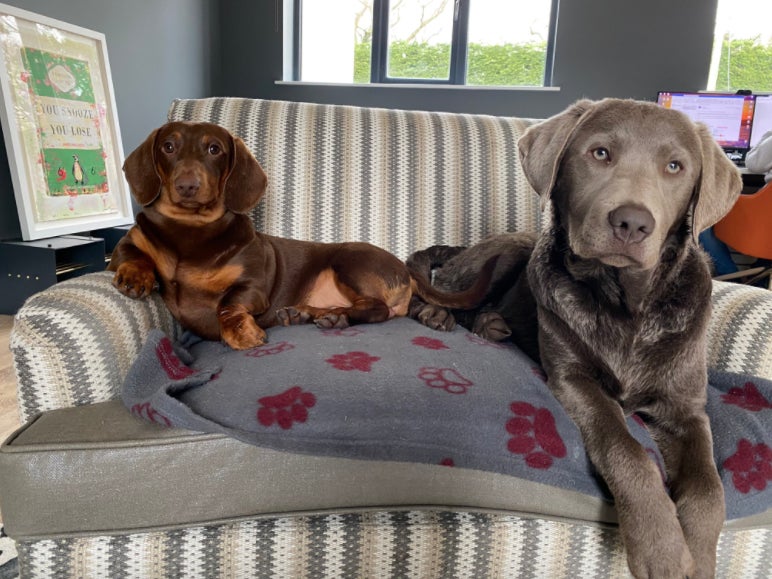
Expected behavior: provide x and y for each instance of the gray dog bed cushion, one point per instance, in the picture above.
(403, 392)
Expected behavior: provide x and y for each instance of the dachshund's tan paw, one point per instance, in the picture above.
(134, 281)
(243, 333)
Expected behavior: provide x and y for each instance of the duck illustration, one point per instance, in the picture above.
(77, 171)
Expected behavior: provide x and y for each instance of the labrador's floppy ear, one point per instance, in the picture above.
(542, 146)
(246, 181)
(718, 187)
(141, 173)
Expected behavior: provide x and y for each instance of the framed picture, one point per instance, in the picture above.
(60, 127)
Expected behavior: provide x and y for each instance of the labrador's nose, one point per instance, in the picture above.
(631, 224)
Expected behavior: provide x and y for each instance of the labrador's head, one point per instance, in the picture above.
(623, 175)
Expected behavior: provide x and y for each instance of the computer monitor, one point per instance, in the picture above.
(728, 116)
(762, 118)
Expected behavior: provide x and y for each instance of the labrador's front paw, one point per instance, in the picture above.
(491, 326)
(656, 547)
(434, 317)
(292, 316)
(332, 320)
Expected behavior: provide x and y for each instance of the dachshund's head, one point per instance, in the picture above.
(194, 172)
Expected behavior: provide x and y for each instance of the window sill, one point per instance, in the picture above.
(421, 86)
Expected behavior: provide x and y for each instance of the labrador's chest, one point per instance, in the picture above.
(640, 359)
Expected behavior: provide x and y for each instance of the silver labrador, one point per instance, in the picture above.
(621, 292)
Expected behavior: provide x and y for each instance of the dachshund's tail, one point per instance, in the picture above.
(464, 300)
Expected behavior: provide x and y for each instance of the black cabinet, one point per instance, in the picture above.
(27, 267)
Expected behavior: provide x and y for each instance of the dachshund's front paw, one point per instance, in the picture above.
(239, 329)
(134, 280)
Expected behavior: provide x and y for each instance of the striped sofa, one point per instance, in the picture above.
(212, 506)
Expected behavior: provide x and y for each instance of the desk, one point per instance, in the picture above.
(752, 182)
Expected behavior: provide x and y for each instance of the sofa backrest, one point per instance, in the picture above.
(402, 180)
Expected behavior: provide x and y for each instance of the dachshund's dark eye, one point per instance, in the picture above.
(168, 147)
(215, 149)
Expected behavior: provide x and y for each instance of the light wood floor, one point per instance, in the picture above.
(9, 414)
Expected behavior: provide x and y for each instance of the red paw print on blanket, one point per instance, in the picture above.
(145, 410)
(534, 435)
(270, 349)
(361, 361)
(748, 397)
(286, 408)
(169, 361)
(446, 378)
(429, 343)
(751, 466)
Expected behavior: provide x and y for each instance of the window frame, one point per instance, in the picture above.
(458, 51)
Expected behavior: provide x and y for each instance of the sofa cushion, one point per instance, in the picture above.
(402, 392)
(97, 468)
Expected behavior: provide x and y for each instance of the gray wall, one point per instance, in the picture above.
(165, 49)
(604, 48)
(158, 50)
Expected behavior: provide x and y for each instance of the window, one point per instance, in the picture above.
(472, 42)
(742, 49)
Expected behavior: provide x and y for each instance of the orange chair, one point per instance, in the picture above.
(747, 227)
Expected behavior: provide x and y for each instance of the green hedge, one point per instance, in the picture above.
(505, 65)
(751, 66)
(523, 64)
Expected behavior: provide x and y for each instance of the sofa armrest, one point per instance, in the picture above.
(73, 343)
(740, 331)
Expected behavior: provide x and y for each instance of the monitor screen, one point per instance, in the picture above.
(728, 116)
(762, 118)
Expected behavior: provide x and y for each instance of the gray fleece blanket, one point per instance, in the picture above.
(399, 391)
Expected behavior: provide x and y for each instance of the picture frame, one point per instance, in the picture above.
(60, 127)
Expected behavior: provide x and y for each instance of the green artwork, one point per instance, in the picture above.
(53, 75)
(72, 153)
(69, 171)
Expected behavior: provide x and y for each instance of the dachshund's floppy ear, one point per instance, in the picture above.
(542, 146)
(246, 181)
(718, 187)
(141, 173)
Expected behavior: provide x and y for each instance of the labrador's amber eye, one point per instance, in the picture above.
(601, 154)
(674, 167)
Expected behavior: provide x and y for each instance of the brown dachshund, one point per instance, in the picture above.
(223, 280)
